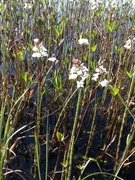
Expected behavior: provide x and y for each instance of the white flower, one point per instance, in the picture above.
(95, 77)
(80, 84)
(73, 69)
(39, 49)
(36, 40)
(35, 49)
(44, 54)
(72, 76)
(52, 59)
(83, 41)
(36, 55)
(104, 83)
(101, 70)
(42, 48)
(27, 5)
(79, 72)
(85, 75)
(128, 44)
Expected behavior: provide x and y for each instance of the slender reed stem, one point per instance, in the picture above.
(72, 140)
(125, 114)
(61, 113)
(131, 135)
(47, 148)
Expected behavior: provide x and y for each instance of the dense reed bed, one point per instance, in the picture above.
(67, 91)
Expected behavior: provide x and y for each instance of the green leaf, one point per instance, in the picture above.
(21, 55)
(57, 32)
(59, 136)
(55, 41)
(114, 90)
(85, 58)
(64, 164)
(114, 25)
(46, 91)
(111, 26)
(93, 48)
(57, 83)
(94, 64)
(59, 28)
(80, 167)
(129, 74)
(1, 7)
(26, 77)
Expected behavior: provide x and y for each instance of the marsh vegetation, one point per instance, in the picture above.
(67, 90)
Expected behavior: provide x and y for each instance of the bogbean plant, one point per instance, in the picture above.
(67, 72)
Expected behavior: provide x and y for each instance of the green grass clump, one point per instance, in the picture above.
(67, 89)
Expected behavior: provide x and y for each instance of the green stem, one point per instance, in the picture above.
(61, 113)
(37, 131)
(125, 113)
(91, 131)
(72, 140)
(131, 135)
(47, 147)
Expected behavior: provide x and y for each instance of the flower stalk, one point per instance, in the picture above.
(72, 140)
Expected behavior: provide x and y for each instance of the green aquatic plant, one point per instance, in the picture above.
(68, 68)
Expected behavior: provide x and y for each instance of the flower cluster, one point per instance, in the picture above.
(129, 43)
(98, 72)
(39, 50)
(80, 73)
(83, 41)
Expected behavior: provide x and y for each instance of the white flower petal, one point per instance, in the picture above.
(104, 83)
(52, 59)
(72, 76)
(44, 54)
(83, 41)
(100, 70)
(36, 40)
(80, 84)
(42, 48)
(35, 49)
(85, 76)
(36, 55)
(95, 77)
(127, 46)
(79, 72)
